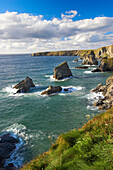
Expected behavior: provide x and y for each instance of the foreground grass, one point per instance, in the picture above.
(88, 148)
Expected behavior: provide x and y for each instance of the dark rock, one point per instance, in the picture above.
(24, 85)
(52, 90)
(62, 71)
(10, 167)
(76, 60)
(96, 70)
(84, 67)
(90, 59)
(7, 146)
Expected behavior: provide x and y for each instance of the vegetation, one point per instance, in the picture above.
(88, 148)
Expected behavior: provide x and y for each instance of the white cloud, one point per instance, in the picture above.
(27, 33)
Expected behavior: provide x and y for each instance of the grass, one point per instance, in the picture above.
(88, 148)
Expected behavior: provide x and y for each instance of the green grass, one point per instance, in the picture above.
(88, 148)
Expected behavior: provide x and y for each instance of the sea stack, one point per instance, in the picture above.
(62, 71)
(24, 85)
(90, 59)
(52, 90)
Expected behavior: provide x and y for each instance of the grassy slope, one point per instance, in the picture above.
(88, 148)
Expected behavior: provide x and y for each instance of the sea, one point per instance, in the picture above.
(37, 120)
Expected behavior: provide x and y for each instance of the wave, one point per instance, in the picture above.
(71, 88)
(92, 107)
(53, 79)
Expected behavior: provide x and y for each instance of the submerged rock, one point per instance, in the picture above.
(52, 90)
(76, 60)
(106, 65)
(24, 85)
(7, 146)
(107, 101)
(90, 59)
(84, 67)
(62, 71)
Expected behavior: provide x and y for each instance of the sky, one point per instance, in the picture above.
(47, 25)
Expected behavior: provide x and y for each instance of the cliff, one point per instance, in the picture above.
(90, 147)
(106, 51)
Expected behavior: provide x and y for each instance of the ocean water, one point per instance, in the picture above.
(39, 120)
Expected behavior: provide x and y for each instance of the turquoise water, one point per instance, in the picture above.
(34, 117)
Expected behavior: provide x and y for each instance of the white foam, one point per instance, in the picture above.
(71, 88)
(87, 72)
(92, 107)
(53, 79)
(10, 89)
(94, 96)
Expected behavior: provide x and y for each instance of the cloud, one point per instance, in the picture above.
(27, 33)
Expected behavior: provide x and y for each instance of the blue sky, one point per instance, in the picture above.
(54, 8)
(42, 25)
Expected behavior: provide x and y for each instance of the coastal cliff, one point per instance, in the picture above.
(106, 51)
(90, 147)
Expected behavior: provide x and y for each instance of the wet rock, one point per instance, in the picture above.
(7, 146)
(62, 71)
(90, 59)
(84, 67)
(52, 90)
(76, 60)
(99, 88)
(24, 85)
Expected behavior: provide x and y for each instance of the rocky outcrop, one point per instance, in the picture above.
(90, 59)
(84, 67)
(52, 90)
(107, 101)
(24, 85)
(62, 71)
(7, 146)
(106, 65)
(76, 60)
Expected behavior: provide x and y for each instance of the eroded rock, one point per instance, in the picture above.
(62, 71)
(52, 90)
(24, 85)
(90, 59)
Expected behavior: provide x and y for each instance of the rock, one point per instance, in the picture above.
(106, 65)
(62, 71)
(76, 60)
(90, 59)
(84, 67)
(52, 90)
(24, 85)
(7, 146)
(99, 88)
(107, 101)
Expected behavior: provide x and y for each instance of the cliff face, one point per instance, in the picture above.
(100, 52)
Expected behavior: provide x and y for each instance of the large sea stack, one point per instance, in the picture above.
(62, 71)
(106, 65)
(90, 59)
(24, 85)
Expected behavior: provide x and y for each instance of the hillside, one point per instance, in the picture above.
(100, 52)
(90, 147)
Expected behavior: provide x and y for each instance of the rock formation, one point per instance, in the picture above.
(106, 65)
(62, 71)
(7, 146)
(24, 85)
(76, 60)
(84, 67)
(90, 59)
(52, 90)
(107, 101)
